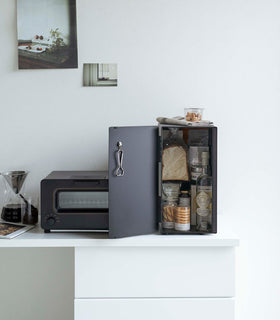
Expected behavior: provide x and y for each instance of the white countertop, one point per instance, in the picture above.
(37, 238)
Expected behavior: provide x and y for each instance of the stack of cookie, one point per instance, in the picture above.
(182, 218)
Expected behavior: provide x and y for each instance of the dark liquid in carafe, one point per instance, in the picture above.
(12, 213)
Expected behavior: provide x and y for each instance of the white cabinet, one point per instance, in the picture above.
(191, 278)
(147, 277)
(164, 309)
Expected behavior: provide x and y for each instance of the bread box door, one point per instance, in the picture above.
(132, 181)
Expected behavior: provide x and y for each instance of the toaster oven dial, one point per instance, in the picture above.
(51, 221)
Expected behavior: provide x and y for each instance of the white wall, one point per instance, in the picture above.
(38, 17)
(221, 54)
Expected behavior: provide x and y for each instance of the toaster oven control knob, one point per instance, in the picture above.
(51, 221)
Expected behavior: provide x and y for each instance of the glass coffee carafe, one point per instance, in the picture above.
(17, 208)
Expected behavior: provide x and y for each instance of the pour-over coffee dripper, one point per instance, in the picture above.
(14, 203)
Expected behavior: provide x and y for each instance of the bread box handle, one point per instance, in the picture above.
(119, 154)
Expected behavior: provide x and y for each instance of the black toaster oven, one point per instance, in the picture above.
(75, 200)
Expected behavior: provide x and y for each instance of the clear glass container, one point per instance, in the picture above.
(182, 214)
(168, 214)
(194, 155)
(170, 191)
(193, 114)
(14, 205)
(204, 196)
(18, 207)
(170, 195)
(196, 171)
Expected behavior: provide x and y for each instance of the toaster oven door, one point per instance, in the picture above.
(132, 181)
(81, 209)
(81, 200)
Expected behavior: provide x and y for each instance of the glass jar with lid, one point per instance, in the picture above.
(170, 197)
(182, 212)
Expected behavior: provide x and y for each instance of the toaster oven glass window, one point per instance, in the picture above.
(83, 199)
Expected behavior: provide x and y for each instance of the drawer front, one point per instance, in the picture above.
(135, 272)
(164, 309)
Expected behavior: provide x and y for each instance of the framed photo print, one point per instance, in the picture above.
(47, 34)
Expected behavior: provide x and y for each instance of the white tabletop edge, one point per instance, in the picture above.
(37, 238)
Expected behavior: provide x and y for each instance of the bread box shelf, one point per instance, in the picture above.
(172, 172)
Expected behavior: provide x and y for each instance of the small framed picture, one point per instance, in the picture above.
(12, 230)
(100, 75)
